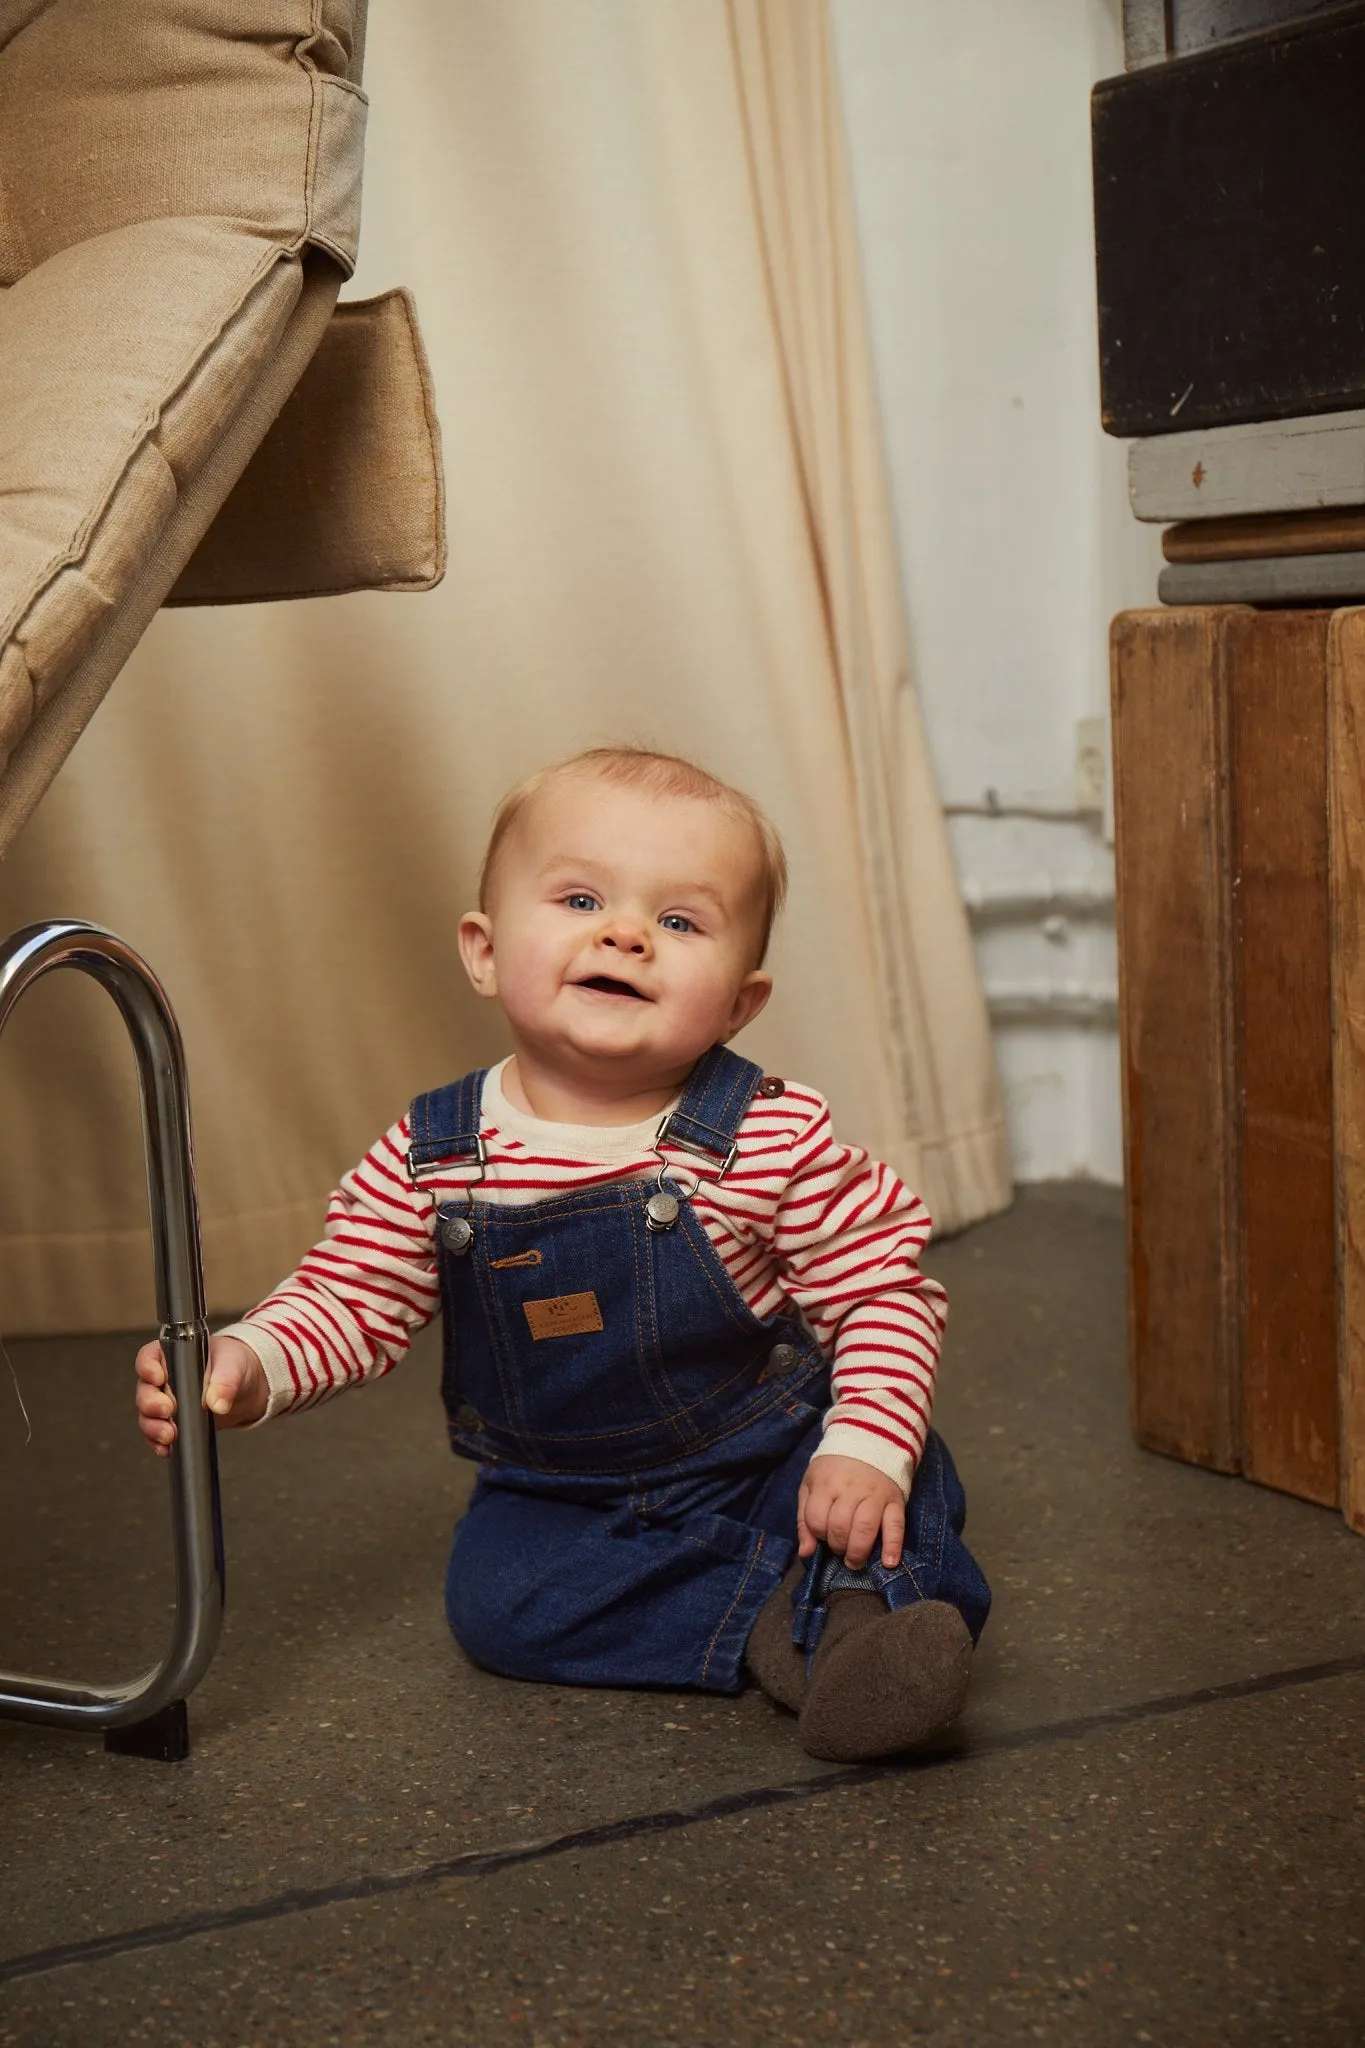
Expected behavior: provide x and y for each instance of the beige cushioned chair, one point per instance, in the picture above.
(179, 206)
(183, 417)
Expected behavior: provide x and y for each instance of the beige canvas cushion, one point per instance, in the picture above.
(345, 491)
(179, 196)
(123, 356)
(116, 113)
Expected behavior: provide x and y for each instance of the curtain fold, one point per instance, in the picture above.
(951, 1142)
(629, 234)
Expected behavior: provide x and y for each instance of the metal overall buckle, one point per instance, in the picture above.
(453, 1225)
(664, 1205)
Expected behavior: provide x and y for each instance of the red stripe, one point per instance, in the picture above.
(887, 1414)
(339, 1366)
(378, 1338)
(425, 1299)
(369, 1244)
(374, 1201)
(344, 1340)
(300, 1339)
(293, 1369)
(835, 1301)
(850, 1347)
(739, 1209)
(893, 1251)
(890, 1372)
(861, 1210)
(908, 1309)
(773, 1141)
(855, 1423)
(409, 1247)
(569, 1167)
(921, 1325)
(360, 1276)
(853, 1338)
(841, 1192)
(400, 1180)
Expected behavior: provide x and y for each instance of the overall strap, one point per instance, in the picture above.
(444, 1128)
(714, 1104)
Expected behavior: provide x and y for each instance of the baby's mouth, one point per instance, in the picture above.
(607, 985)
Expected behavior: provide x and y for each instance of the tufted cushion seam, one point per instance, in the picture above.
(146, 430)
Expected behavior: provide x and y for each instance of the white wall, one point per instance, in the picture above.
(968, 124)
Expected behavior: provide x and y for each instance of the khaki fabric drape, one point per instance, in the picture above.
(628, 232)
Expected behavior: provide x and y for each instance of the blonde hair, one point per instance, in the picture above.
(660, 775)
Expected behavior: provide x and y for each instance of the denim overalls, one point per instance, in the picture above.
(641, 1434)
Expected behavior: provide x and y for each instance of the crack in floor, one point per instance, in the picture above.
(487, 1862)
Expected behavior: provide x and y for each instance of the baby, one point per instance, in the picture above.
(686, 1336)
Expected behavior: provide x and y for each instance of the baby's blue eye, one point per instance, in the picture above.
(580, 900)
(674, 921)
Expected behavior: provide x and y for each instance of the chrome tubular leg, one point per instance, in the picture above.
(149, 1710)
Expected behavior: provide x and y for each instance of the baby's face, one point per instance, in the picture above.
(622, 929)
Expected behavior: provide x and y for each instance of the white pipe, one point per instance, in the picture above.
(1036, 895)
(994, 805)
(1071, 1002)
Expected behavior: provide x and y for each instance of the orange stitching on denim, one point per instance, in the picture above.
(722, 1286)
(676, 1412)
(739, 1595)
(646, 1342)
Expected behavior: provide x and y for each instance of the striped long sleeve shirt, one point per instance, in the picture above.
(800, 1222)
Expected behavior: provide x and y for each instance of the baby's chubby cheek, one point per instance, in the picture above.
(525, 999)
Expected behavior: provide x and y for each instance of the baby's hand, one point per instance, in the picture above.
(844, 1503)
(235, 1391)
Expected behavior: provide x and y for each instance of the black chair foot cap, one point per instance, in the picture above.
(164, 1737)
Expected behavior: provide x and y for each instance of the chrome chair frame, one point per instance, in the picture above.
(146, 1715)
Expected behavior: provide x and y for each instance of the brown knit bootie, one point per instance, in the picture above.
(772, 1656)
(883, 1681)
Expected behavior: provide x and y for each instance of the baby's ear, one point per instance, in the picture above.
(476, 951)
(750, 997)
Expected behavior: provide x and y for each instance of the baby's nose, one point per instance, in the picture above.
(624, 937)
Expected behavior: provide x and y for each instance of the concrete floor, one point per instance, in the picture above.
(1146, 1829)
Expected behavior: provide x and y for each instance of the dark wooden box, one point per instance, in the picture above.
(1230, 231)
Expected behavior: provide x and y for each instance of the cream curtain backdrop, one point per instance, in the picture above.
(628, 230)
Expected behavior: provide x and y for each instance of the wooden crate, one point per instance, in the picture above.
(1346, 705)
(1240, 843)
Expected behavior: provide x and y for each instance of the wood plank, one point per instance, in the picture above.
(1346, 684)
(1144, 32)
(1196, 24)
(1170, 728)
(1230, 230)
(1269, 533)
(1156, 29)
(1297, 465)
(1285, 579)
(1277, 704)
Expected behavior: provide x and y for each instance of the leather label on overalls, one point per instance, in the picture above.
(563, 1315)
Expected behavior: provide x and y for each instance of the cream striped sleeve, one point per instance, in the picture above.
(848, 1234)
(358, 1298)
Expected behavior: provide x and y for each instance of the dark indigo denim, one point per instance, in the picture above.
(636, 1502)
(935, 1564)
